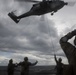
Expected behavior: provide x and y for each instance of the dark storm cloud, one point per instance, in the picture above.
(4, 32)
(7, 38)
(38, 37)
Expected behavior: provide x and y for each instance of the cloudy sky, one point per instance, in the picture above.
(36, 37)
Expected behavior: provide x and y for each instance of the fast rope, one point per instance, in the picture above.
(50, 36)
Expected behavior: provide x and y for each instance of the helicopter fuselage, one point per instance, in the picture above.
(47, 7)
(40, 8)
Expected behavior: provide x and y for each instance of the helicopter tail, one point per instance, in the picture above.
(13, 17)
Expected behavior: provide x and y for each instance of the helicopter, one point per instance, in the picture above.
(39, 8)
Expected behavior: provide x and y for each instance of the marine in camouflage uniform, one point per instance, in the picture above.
(70, 50)
(59, 66)
(11, 67)
(25, 66)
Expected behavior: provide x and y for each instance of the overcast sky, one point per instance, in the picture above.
(36, 37)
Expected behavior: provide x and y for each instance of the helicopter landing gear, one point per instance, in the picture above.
(66, 3)
(52, 13)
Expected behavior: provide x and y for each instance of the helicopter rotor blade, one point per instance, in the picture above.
(71, 3)
(34, 1)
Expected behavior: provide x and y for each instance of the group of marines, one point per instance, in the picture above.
(69, 50)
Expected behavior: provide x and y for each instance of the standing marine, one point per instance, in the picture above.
(70, 49)
(59, 66)
(11, 67)
(25, 66)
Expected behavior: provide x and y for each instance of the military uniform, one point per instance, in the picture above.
(25, 66)
(69, 50)
(11, 68)
(59, 66)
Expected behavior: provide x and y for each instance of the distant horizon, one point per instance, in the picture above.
(32, 66)
(36, 65)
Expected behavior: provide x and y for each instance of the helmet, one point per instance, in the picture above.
(10, 60)
(60, 59)
(25, 58)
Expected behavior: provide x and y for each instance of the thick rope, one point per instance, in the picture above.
(50, 35)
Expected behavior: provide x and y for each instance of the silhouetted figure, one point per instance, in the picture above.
(25, 66)
(11, 67)
(70, 50)
(59, 66)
